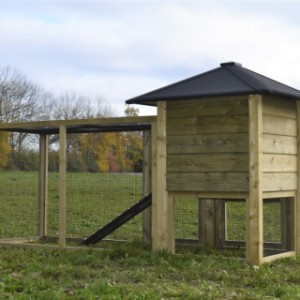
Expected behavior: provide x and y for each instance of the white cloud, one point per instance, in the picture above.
(122, 49)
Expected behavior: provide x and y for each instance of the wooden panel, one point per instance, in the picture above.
(279, 182)
(279, 163)
(207, 125)
(208, 107)
(216, 143)
(208, 182)
(213, 195)
(279, 144)
(279, 107)
(208, 163)
(279, 126)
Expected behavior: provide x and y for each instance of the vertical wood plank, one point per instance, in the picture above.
(220, 225)
(62, 185)
(254, 242)
(297, 199)
(154, 183)
(163, 206)
(147, 183)
(212, 222)
(43, 186)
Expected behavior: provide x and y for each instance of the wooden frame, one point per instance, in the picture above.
(62, 127)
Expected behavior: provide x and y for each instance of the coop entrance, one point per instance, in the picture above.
(221, 223)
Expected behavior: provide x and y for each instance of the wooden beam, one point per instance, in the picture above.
(147, 183)
(254, 243)
(62, 185)
(43, 186)
(297, 198)
(162, 205)
(78, 122)
(154, 184)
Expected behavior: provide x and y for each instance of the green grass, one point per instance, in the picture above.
(124, 271)
(92, 201)
(132, 271)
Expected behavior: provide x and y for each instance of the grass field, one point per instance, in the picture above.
(132, 271)
(128, 270)
(94, 199)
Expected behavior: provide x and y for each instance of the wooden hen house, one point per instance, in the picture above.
(229, 134)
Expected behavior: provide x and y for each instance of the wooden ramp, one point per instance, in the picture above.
(119, 221)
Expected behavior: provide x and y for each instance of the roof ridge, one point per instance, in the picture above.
(244, 81)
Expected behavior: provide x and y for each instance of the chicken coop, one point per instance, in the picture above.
(226, 154)
(219, 169)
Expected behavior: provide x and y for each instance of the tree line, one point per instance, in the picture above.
(22, 100)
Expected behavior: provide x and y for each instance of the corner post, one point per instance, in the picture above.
(43, 186)
(254, 242)
(297, 198)
(147, 183)
(162, 203)
(62, 185)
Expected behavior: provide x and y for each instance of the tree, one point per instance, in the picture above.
(5, 149)
(134, 143)
(20, 100)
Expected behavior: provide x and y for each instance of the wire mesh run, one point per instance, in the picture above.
(278, 223)
(19, 182)
(105, 176)
(221, 223)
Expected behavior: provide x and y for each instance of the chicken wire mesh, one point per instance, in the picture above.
(101, 184)
(222, 223)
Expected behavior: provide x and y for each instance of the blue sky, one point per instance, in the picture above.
(121, 49)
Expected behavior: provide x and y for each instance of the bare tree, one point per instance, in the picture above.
(20, 100)
(70, 106)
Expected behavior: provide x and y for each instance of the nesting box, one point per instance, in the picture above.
(229, 135)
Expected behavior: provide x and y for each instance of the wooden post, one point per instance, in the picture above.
(162, 204)
(254, 243)
(220, 224)
(212, 222)
(62, 185)
(297, 198)
(43, 186)
(147, 183)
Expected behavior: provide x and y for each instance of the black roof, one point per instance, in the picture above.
(227, 80)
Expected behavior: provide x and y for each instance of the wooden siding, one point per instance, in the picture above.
(207, 145)
(279, 145)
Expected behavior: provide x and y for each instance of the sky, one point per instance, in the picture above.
(117, 50)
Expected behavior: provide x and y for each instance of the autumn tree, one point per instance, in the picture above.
(134, 143)
(5, 149)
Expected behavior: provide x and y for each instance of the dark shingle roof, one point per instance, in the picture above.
(227, 80)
